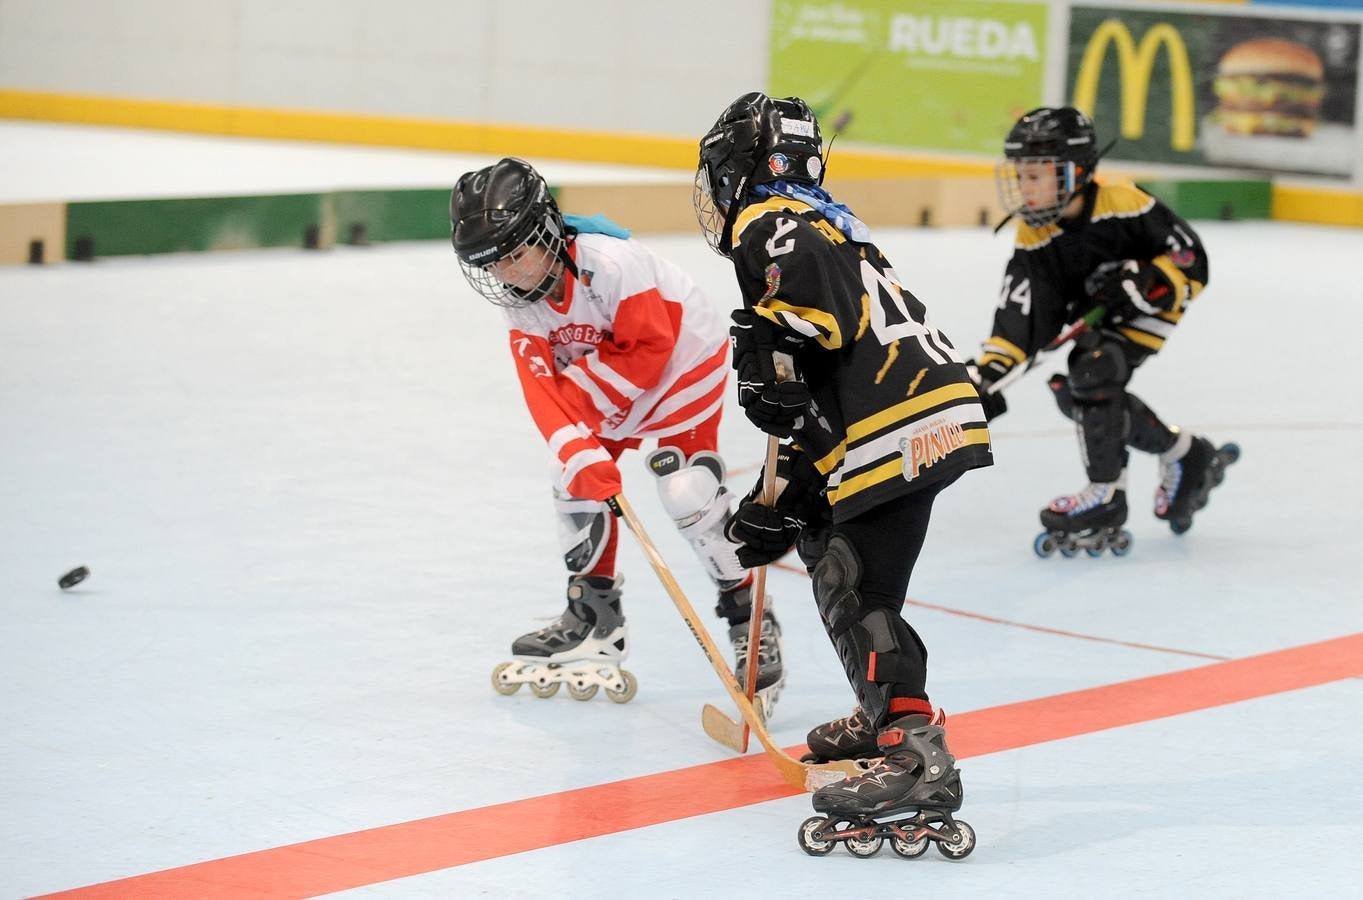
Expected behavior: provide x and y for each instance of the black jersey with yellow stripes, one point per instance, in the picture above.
(893, 407)
(1044, 284)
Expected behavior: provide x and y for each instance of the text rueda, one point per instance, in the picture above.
(1135, 64)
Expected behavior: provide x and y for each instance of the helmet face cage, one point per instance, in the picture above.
(725, 163)
(1055, 144)
(1008, 176)
(709, 214)
(508, 233)
(757, 140)
(544, 269)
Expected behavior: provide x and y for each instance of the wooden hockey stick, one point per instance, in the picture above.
(805, 776)
(717, 725)
(759, 585)
(723, 729)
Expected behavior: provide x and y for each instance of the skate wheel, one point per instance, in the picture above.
(1229, 452)
(586, 692)
(909, 849)
(808, 836)
(1121, 544)
(1044, 546)
(1094, 552)
(1069, 549)
(961, 847)
(501, 685)
(544, 691)
(625, 694)
(865, 845)
(1180, 526)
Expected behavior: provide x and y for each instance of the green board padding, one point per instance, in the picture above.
(1207, 199)
(401, 215)
(122, 227)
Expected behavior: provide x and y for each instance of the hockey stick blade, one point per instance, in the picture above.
(721, 728)
(805, 776)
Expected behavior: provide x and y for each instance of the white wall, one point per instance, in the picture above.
(618, 65)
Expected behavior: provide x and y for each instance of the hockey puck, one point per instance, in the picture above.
(73, 578)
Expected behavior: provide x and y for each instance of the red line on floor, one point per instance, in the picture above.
(411, 848)
(1060, 632)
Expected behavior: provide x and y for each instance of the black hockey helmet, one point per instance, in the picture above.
(756, 140)
(1062, 137)
(499, 213)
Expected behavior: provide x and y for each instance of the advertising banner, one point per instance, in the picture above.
(944, 75)
(1245, 92)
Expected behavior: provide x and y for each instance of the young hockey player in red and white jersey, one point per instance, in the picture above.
(613, 346)
(1110, 251)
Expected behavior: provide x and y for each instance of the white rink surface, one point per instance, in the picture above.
(42, 162)
(316, 515)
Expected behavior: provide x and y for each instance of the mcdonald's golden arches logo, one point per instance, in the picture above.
(1135, 64)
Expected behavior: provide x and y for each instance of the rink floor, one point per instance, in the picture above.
(316, 514)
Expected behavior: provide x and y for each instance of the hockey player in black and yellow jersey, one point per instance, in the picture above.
(834, 352)
(1119, 254)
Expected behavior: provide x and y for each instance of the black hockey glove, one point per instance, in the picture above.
(1129, 288)
(774, 401)
(766, 533)
(993, 403)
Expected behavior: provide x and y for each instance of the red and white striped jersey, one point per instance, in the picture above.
(634, 350)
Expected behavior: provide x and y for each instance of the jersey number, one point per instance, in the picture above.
(783, 227)
(1021, 295)
(894, 317)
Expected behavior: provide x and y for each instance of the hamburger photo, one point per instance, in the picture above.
(1269, 86)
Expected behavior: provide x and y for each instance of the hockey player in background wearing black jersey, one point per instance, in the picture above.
(613, 346)
(1117, 256)
(882, 416)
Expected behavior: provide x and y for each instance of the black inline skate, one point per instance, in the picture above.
(850, 737)
(1090, 520)
(915, 789)
(1186, 482)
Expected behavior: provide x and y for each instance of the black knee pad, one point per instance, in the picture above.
(835, 586)
(1147, 433)
(1098, 373)
(1097, 383)
(876, 646)
(899, 656)
(1060, 388)
(1103, 429)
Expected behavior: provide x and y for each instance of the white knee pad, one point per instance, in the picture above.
(693, 493)
(584, 530)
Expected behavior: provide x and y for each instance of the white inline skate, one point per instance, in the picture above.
(583, 648)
